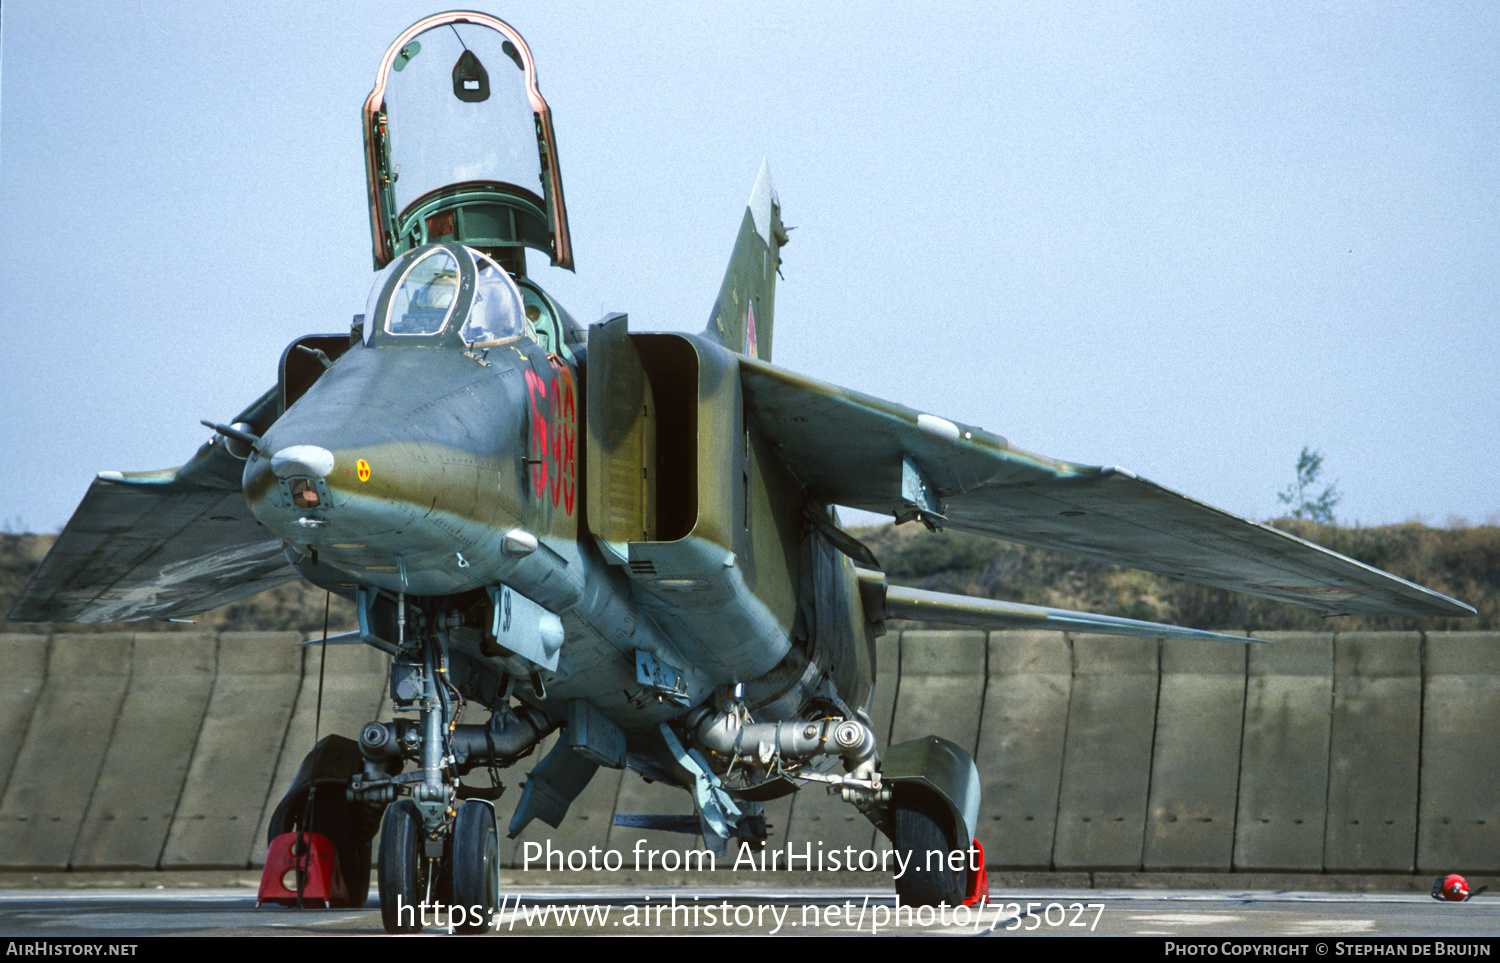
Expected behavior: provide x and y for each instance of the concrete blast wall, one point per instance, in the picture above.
(1341, 753)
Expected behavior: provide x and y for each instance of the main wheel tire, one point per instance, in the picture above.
(403, 868)
(924, 838)
(475, 863)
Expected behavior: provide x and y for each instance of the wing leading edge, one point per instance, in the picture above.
(852, 449)
(149, 547)
(162, 544)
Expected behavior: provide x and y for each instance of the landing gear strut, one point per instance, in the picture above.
(436, 846)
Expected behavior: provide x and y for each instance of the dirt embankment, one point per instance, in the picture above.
(1460, 562)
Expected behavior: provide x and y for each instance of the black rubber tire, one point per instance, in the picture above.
(402, 871)
(922, 825)
(475, 865)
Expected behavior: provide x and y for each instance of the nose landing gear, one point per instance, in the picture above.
(439, 851)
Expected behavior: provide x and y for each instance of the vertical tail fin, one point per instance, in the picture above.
(744, 311)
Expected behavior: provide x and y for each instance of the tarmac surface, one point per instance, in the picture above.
(123, 906)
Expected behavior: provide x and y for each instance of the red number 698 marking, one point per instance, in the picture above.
(539, 440)
(553, 437)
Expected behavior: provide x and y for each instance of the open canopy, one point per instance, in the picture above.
(459, 145)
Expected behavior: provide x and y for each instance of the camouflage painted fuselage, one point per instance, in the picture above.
(441, 456)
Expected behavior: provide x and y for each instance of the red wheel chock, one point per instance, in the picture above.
(302, 869)
(979, 879)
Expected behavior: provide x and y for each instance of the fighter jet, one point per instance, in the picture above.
(629, 537)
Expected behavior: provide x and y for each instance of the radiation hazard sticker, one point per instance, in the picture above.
(362, 469)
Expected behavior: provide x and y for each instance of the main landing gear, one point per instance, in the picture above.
(923, 836)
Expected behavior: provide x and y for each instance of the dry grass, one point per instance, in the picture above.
(1461, 562)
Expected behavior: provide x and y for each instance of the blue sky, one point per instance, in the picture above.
(1187, 239)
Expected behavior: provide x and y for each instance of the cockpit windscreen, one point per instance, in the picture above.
(497, 314)
(422, 294)
(425, 297)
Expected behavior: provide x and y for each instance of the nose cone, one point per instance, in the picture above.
(302, 461)
(398, 468)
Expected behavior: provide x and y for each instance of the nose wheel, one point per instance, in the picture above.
(404, 869)
(476, 863)
(412, 883)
